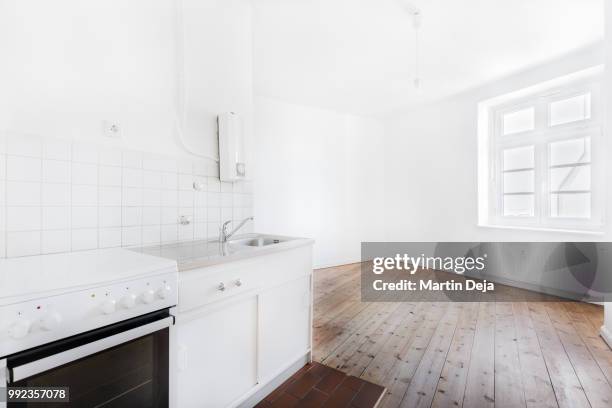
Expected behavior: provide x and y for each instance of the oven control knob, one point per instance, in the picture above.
(50, 321)
(148, 296)
(128, 301)
(164, 292)
(108, 306)
(19, 329)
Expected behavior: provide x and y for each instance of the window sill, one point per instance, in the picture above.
(541, 229)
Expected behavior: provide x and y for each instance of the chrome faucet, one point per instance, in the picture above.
(224, 235)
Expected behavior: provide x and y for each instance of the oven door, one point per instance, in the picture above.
(121, 365)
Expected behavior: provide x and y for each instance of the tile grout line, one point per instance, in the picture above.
(226, 202)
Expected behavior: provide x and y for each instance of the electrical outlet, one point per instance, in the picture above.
(111, 129)
(199, 186)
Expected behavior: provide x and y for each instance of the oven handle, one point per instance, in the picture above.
(36, 367)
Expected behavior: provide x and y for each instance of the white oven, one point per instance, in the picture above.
(121, 365)
(93, 327)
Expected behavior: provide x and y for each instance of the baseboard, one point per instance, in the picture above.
(606, 335)
(332, 264)
(537, 288)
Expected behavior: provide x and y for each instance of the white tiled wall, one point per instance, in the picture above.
(58, 196)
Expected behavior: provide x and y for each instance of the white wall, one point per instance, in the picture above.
(217, 68)
(431, 163)
(607, 329)
(68, 65)
(319, 174)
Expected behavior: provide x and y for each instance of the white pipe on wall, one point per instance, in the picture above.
(181, 90)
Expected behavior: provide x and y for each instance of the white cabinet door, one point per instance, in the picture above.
(284, 326)
(217, 356)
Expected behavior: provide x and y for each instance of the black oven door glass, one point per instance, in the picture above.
(133, 374)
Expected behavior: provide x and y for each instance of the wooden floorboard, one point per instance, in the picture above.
(400, 376)
(318, 386)
(537, 386)
(480, 386)
(440, 354)
(420, 392)
(592, 379)
(509, 390)
(451, 385)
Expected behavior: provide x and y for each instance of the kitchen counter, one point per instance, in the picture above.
(198, 254)
(245, 312)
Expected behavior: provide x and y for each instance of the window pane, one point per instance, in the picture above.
(570, 151)
(519, 182)
(519, 121)
(519, 205)
(570, 205)
(570, 109)
(570, 178)
(519, 158)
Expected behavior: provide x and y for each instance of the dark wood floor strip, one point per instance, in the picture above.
(318, 386)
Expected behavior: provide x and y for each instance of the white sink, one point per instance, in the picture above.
(200, 253)
(257, 241)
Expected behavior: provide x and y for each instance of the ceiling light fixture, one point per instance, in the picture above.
(417, 18)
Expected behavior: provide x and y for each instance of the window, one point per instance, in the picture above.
(542, 170)
(519, 121)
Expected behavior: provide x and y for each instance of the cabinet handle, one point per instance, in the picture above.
(238, 282)
(221, 287)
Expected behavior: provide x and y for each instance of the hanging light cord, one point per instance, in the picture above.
(416, 57)
(416, 22)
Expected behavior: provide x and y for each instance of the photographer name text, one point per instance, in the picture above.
(431, 285)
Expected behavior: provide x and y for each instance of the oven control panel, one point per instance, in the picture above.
(35, 322)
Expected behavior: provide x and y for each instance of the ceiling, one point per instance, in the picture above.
(358, 55)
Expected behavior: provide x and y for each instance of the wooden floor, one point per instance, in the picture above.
(319, 386)
(521, 354)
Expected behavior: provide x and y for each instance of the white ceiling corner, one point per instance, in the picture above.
(358, 55)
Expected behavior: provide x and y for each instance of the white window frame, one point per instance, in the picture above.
(492, 144)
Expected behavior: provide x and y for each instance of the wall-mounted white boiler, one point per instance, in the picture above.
(232, 165)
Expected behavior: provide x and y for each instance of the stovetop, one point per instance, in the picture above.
(46, 275)
(51, 297)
